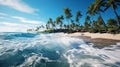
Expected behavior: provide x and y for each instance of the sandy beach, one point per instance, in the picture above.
(98, 35)
(99, 40)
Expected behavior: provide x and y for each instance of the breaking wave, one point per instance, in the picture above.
(54, 50)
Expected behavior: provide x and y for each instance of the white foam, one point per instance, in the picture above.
(102, 56)
(33, 60)
(76, 57)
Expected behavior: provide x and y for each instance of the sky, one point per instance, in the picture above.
(20, 15)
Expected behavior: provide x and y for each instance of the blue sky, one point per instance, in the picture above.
(19, 15)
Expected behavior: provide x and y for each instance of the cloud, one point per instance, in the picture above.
(19, 27)
(3, 15)
(21, 19)
(11, 27)
(18, 5)
(9, 24)
(17, 23)
(14, 27)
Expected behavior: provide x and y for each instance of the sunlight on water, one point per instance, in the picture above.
(54, 50)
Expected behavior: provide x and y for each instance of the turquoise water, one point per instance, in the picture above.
(54, 50)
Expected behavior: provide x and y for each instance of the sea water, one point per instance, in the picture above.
(54, 50)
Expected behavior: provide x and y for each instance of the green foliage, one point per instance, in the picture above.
(50, 24)
(101, 24)
(28, 30)
(48, 31)
(97, 7)
(87, 26)
(114, 5)
(67, 12)
(112, 24)
(59, 21)
(78, 15)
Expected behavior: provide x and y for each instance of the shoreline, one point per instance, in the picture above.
(97, 35)
(99, 40)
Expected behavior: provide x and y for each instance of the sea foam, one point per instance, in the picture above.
(34, 50)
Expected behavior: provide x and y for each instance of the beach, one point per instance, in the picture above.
(99, 40)
(57, 50)
(98, 35)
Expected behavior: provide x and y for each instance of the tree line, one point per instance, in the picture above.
(99, 25)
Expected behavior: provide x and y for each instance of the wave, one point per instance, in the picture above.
(54, 50)
(88, 56)
(14, 35)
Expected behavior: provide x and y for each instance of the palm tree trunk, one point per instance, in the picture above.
(103, 22)
(68, 25)
(117, 18)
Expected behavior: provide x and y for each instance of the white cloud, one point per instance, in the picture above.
(28, 21)
(20, 19)
(21, 25)
(3, 15)
(9, 24)
(16, 27)
(18, 5)
(10, 27)
(13, 27)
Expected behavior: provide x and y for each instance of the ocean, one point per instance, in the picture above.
(52, 50)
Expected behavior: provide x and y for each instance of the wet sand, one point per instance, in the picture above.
(99, 40)
(97, 35)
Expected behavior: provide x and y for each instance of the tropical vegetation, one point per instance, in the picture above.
(74, 25)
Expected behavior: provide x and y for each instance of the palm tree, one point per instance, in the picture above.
(87, 21)
(65, 26)
(96, 8)
(90, 9)
(87, 25)
(59, 20)
(78, 15)
(50, 23)
(54, 24)
(61, 23)
(101, 24)
(29, 30)
(87, 18)
(68, 14)
(114, 5)
(91, 12)
(72, 26)
(112, 24)
(95, 26)
(37, 28)
(42, 26)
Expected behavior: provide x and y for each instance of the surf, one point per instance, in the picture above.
(51, 50)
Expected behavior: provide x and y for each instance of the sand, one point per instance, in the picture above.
(99, 40)
(98, 35)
